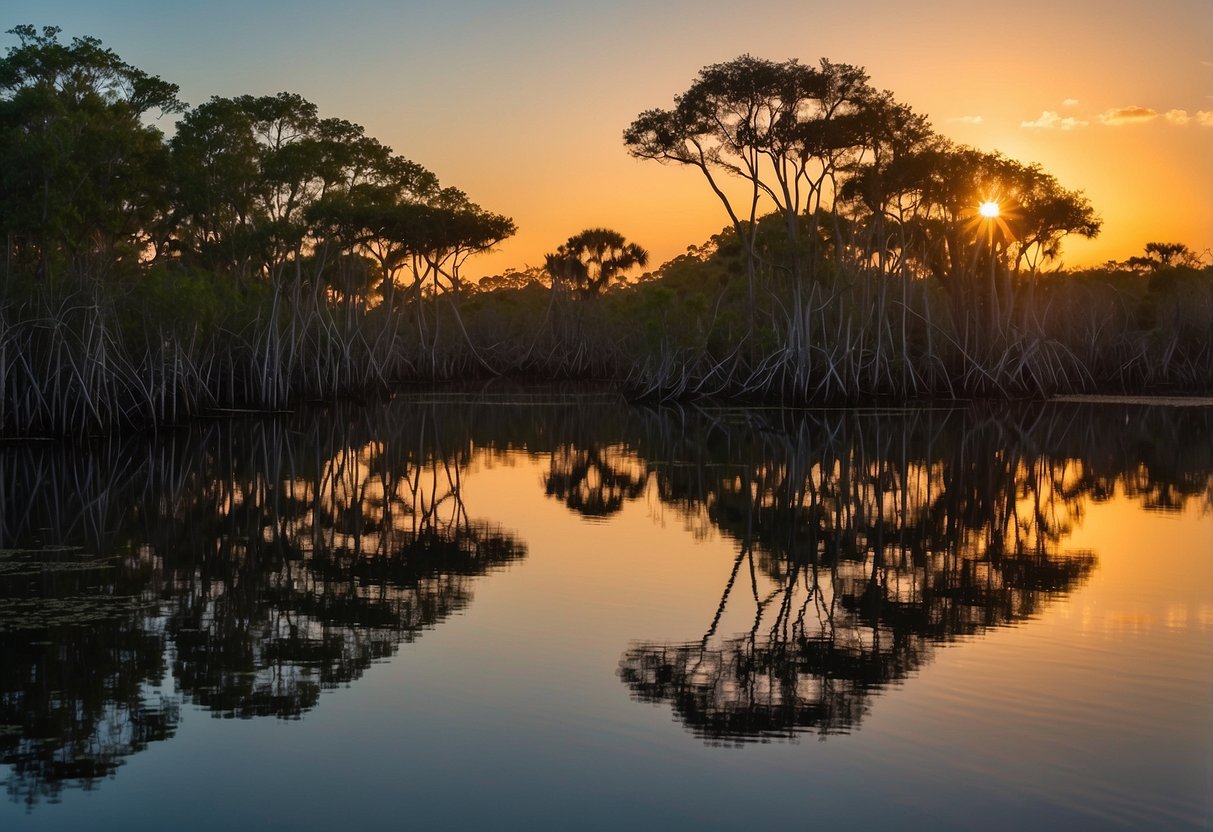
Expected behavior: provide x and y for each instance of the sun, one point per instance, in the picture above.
(991, 218)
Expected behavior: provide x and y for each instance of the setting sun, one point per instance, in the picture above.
(989, 210)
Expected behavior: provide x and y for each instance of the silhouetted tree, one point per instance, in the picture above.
(591, 261)
(786, 129)
(1161, 255)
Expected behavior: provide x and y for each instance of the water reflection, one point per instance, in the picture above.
(261, 562)
(245, 567)
(593, 481)
(867, 540)
(80, 668)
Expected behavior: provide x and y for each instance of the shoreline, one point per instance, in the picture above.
(1156, 401)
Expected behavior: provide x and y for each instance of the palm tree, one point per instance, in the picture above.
(592, 260)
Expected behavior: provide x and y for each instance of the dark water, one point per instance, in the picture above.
(560, 612)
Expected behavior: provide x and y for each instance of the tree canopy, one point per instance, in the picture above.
(822, 148)
(264, 251)
(81, 174)
(589, 262)
(258, 187)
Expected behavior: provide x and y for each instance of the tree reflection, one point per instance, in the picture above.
(864, 542)
(80, 670)
(246, 566)
(266, 563)
(321, 566)
(594, 482)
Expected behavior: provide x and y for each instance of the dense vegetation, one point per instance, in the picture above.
(264, 254)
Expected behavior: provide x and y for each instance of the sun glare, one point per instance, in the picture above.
(989, 210)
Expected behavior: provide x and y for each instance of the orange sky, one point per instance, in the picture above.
(522, 104)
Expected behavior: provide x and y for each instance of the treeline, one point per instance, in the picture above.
(264, 253)
(879, 258)
(259, 254)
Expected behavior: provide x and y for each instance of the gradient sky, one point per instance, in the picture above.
(522, 104)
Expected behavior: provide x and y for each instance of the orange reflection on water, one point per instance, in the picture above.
(1155, 567)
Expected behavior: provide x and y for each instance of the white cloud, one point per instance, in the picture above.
(1070, 102)
(1051, 119)
(1179, 117)
(1204, 118)
(968, 119)
(1132, 114)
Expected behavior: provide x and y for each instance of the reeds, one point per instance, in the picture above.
(85, 361)
(880, 336)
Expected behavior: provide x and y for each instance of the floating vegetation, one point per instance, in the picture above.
(75, 604)
(71, 611)
(23, 569)
(50, 560)
(42, 552)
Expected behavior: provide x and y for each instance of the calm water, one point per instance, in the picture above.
(497, 612)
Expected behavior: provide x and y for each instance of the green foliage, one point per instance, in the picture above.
(1178, 302)
(81, 176)
(213, 301)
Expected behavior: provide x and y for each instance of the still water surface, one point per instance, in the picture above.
(546, 612)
